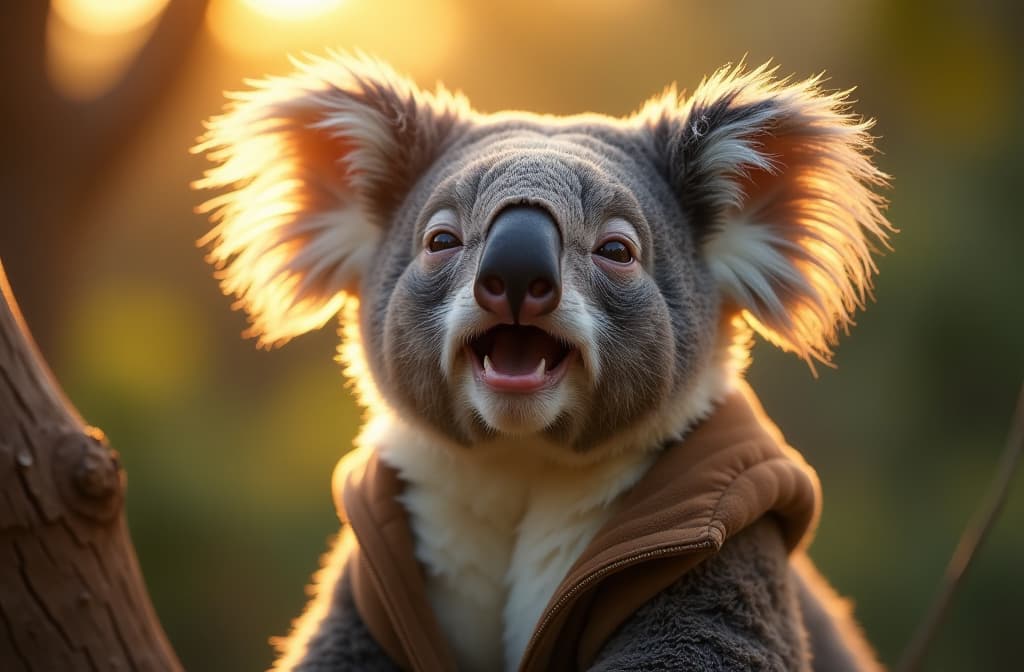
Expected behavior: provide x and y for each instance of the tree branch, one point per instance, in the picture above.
(71, 593)
(973, 537)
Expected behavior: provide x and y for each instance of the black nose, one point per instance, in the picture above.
(519, 275)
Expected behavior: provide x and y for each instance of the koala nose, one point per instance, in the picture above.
(519, 276)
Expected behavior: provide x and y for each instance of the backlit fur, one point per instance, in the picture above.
(312, 161)
(785, 180)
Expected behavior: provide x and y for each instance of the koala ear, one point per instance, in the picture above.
(779, 179)
(314, 163)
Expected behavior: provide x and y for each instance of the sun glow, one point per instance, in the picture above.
(293, 10)
(416, 36)
(90, 43)
(103, 17)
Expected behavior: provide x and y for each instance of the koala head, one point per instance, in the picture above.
(583, 282)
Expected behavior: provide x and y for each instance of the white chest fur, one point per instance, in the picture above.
(496, 533)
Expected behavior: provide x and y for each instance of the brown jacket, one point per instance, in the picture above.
(733, 469)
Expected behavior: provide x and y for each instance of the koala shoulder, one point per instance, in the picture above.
(749, 607)
(330, 635)
(738, 610)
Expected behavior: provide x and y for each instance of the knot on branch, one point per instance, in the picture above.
(88, 474)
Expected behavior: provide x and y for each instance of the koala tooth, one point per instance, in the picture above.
(541, 367)
(487, 365)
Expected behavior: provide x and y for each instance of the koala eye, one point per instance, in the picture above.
(443, 240)
(615, 250)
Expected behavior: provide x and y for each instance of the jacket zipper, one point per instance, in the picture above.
(600, 573)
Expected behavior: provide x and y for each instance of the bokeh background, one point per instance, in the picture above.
(229, 450)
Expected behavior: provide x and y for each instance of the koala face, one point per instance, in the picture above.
(541, 280)
(569, 279)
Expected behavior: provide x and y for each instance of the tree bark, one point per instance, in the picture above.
(71, 593)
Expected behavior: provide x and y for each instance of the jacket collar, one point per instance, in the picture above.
(730, 470)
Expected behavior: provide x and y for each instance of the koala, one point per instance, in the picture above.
(548, 320)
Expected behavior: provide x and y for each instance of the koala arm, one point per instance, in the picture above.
(330, 636)
(836, 641)
(737, 611)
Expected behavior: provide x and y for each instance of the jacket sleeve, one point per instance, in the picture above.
(330, 636)
(736, 611)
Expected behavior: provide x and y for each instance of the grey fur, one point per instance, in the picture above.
(747, 608)
(836, 641)
(737, 611)
(342, 641)
(660, 326)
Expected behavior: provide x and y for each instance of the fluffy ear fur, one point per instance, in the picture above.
(314, 162)
(778, 176)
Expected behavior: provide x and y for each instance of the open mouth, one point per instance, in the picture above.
(513, 358)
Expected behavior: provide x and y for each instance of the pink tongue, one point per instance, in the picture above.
(517, 352)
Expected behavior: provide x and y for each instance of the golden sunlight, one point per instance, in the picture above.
(416, 36)
(104, 17)
(90, 43)
(261, 28)
(293, 10)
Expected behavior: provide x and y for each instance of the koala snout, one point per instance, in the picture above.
(519, 277)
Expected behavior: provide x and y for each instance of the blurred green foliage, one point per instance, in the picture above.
(229, 451)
